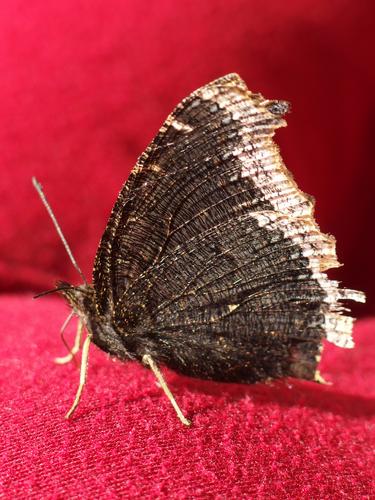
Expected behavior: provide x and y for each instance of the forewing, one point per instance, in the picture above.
(212, 244)
(197, 172)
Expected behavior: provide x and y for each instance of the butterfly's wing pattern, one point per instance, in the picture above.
(211, 261)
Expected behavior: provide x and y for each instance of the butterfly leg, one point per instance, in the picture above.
(82, 375)
(75, 349)
(147, 360)
(318, 377)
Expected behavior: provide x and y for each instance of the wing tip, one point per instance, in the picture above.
(230, 79)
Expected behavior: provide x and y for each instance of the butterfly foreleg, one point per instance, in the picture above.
(76, 346)
(147, 360)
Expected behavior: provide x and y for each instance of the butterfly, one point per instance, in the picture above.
(211, 262)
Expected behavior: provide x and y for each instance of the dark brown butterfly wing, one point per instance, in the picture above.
(185, 170)
(212, 252)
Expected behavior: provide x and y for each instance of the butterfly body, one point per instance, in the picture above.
(211, 262)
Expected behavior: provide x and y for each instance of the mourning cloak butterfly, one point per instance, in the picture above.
(211, 262)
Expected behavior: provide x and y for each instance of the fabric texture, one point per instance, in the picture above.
(286, 440)
(84, 87)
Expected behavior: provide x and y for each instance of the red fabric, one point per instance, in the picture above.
(84, 86)
(280, 441)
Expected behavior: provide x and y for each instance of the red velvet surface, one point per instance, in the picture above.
(84, 86)
(300, 440)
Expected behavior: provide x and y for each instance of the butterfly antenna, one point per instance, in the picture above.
(39, 189)
(53, 290)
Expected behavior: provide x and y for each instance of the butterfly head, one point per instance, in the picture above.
(81, 298)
